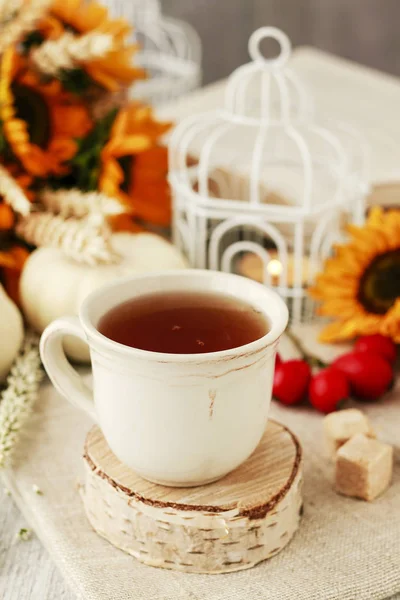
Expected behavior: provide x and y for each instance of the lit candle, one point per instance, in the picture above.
(274, 268)
(251, 265)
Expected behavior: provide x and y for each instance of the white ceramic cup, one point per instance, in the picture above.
(175, 419)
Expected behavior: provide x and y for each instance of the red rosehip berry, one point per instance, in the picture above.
(291, 381)
(327, 389)
(368, 374)
(379, 344)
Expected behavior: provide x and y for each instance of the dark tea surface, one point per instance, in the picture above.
(184, 323)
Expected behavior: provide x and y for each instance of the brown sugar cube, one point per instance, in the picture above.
(342, 425)
(363, 467)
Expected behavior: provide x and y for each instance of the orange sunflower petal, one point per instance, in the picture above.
(124, 222)
(342, 308)
(342, 330)
(338, 331)
(65, 9)
(60, 150)
(50, 27)
(124, 146)
(351, 259)
(119, 28)
(6, 217)
(375, 216)
(335, 267)
(345, 287)
(11, 273)
(35, 161)
(7, 260)
(98, 75)
(150, 196)
(113, 171)
(90, 16)
(363, 239)
(71, 120)
(391, 323)
(119, 127)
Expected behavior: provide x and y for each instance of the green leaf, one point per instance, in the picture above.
(86, 164)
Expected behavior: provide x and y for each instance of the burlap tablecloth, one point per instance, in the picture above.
(344, 550)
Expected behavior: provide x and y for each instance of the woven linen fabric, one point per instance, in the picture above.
(345, 549)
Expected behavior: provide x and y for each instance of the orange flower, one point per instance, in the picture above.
(12, 262)
(134, 165)
(124, 222)
(149, 192)
(40, 120)
(360, 285)
(111, 71)
(6, 217)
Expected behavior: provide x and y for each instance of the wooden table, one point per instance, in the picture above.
(343, 90)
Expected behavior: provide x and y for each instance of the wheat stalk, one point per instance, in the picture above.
(84, 240)
(74, 203)
(23, 20)
(9, 10)
(69, 51)
(13, 194)
(20, 395)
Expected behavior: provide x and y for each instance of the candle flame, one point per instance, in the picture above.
(274, 267)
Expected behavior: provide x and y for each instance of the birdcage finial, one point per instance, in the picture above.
(274, 34)
(266, 89)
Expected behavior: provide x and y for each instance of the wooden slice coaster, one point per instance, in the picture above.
(228, 525)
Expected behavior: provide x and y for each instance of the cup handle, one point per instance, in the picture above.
(62, 375)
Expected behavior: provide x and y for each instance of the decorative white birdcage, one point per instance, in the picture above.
(261, 187)
(170, 51)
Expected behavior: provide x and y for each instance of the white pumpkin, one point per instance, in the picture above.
(53, 285)
(11, 333)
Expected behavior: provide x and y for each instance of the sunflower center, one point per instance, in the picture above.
(380, 284)
(31, 108)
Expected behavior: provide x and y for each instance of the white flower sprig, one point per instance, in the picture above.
(21, 393)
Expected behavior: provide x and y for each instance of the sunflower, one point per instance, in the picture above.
(39, 120)
(134, 165)
(115, 69)
(360, 284)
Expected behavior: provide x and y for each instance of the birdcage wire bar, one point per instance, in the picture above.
(169, 49)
